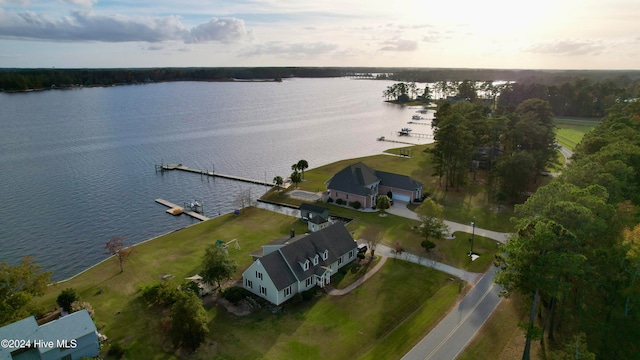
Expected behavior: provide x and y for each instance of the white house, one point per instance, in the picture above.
(298, 263)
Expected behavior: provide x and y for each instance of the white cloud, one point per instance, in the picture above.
(290, 50)
(82, 3)
(88, 26)
(399, 45)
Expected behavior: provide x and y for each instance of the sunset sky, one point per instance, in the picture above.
(543, 34)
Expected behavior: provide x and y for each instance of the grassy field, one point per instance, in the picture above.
(397, 305)
(570, 131)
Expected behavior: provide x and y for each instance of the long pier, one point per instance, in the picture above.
(412, 134)
(172, 206)
(210, 173)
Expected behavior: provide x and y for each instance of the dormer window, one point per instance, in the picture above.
(305, 265)
(315, 259)
(325, 255)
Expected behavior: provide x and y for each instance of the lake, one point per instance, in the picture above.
(77, 166)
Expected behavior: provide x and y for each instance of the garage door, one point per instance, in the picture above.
(401, 197)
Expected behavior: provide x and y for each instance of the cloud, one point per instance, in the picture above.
(568, 47)
(87, 26)
(290, 50)
(82, 3)
(224, 30)
(399, 45)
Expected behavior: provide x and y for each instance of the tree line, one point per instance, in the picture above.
(575, 254)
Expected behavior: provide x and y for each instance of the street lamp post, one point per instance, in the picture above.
(473, 234)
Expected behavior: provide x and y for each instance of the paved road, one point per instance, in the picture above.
(567, 153)
(455, 331)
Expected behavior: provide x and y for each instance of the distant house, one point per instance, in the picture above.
(358, 182)
(317, 217)
(294, 264)
(71, 337)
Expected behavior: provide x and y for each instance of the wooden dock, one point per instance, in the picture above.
(412, 134)
(171, 206)
(210, 173)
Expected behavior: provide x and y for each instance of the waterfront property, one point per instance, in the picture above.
(294, 264)
(358, 182)
(71, 337)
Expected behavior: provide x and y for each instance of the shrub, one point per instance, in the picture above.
(360, 255)
(66, 298)
(428, 245)
(116, 351)
(235, 294)
(309, 294)
(329, 200)
(390, 194)
(355, 204)
(339, 201)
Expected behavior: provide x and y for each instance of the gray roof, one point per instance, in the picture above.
(318, 220)
(398, 181)
(354, 179)
(72, 326)
(313, 208)
(283, 266)
(278, 270)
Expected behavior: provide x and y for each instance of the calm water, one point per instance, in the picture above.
(77, 166)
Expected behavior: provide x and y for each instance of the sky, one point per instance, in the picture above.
(495, 34)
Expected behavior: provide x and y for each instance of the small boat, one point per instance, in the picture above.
(404, 131)
(381, 138)
(416, 117)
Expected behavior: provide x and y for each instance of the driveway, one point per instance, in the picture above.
(399, 208)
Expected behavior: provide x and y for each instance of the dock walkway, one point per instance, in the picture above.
(193, 214)
(210, 173)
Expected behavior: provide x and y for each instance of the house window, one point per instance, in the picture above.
(248, 283)
(309, 281)
(287, 291)
(325, 255)
(336, 194)
(315, 259)
(259, 275)
(263, 290)
(340, 261)
(305, 265)
(347, 196)
(351, 254)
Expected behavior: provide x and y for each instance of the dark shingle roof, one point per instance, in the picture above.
(277, 269)
(334, 238)
(397, 181)
(313, 208)
(353, 179)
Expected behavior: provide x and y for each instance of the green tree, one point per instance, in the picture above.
(432, 226)
(115, 247)
(296, 178)
(301, 166)
(383, 203)
(188, 321)
(216, 265)
(18, 285)
(538, 259)
(574, 350)
(278, 181)
(66, 298)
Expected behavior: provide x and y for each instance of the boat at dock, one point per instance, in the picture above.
(404, 132)
(416, 117)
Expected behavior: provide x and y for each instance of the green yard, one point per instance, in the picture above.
(570, 131)
(397, 305)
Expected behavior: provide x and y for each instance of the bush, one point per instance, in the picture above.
(390, 194)
(360, 256)
(309, 294)
(355, 204)
(339, 201)
(329, 200)
(235, 294)
(116, 351)
(66, 298)
(428, 245)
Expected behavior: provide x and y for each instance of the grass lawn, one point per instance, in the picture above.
(455, 252)
(570, 131)
(397, 305)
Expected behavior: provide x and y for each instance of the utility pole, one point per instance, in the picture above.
(473, 233)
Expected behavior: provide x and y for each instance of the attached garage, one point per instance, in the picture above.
(401, 197)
